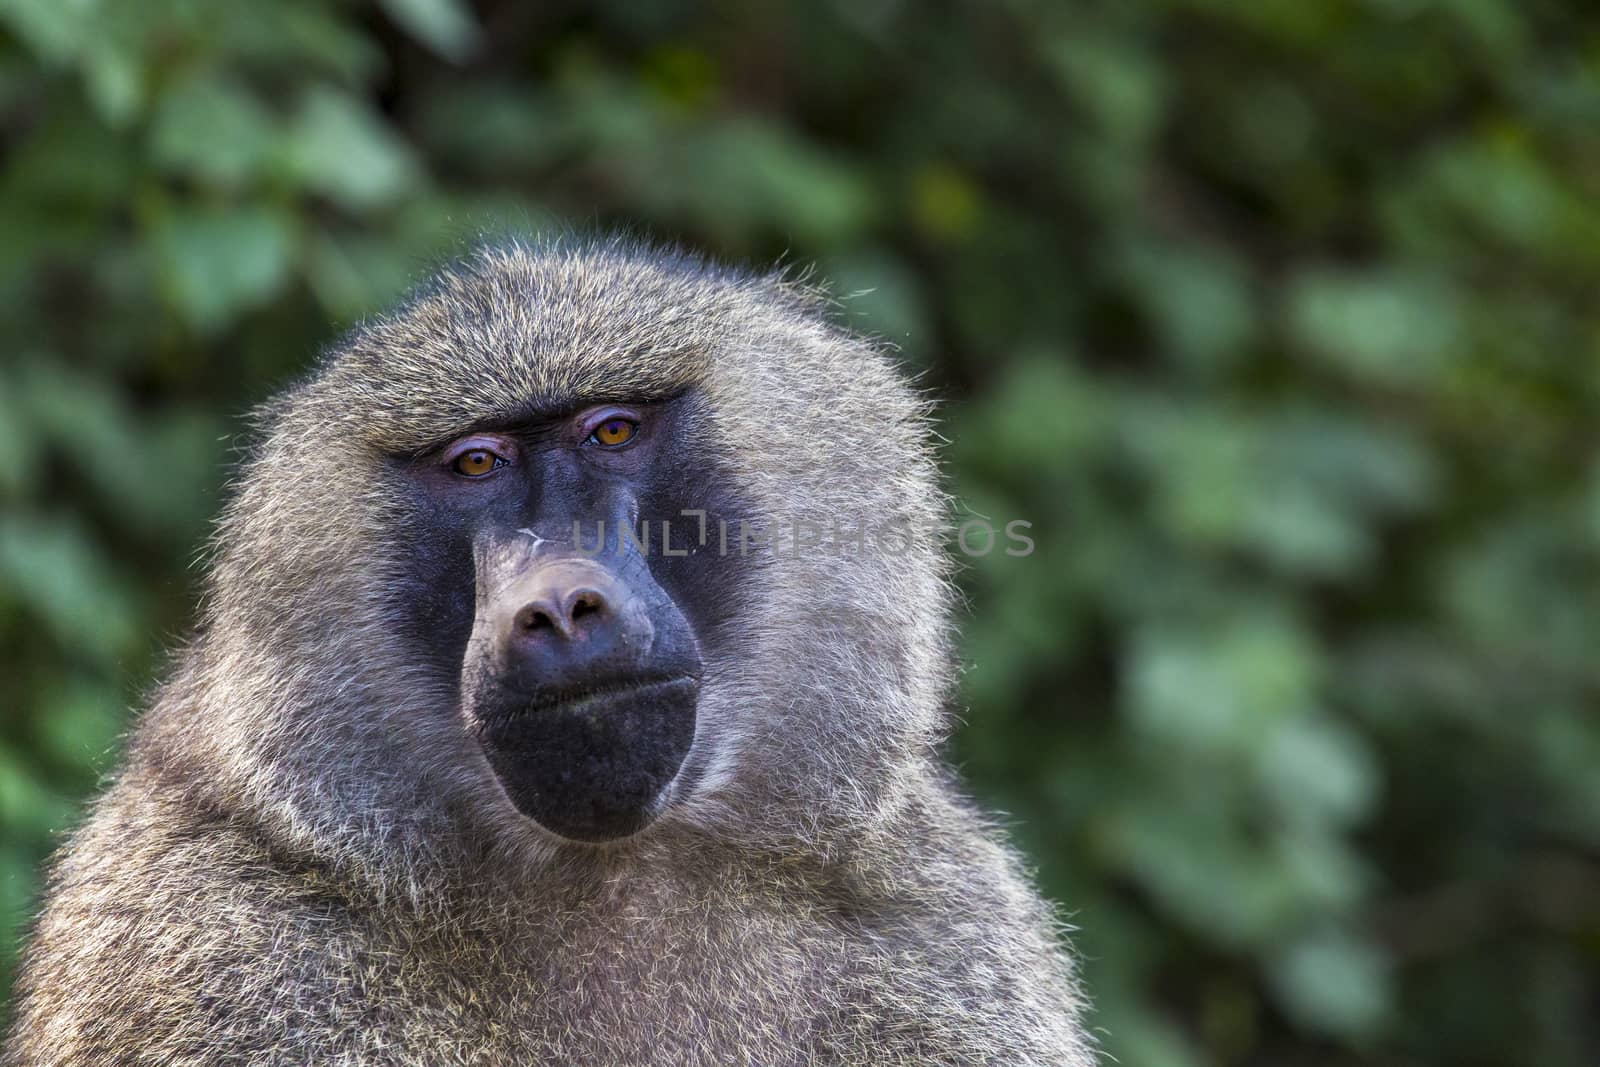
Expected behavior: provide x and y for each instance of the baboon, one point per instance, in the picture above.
(493, 745)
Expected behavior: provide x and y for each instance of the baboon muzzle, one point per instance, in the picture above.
(580, 682)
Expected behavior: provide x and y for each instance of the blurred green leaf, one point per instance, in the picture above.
(151, 474)
(338, 147)
(1222, 687)
(115, 79)
(309, 38)
(27, 805)
(79, 724)
(1334, 982)
(1201, 303)
(1118, 84)
(216, 264)
(56, 572)
(214, 128)
(53, 28)
(1394, 330)
(1314, 770)
(446, 25)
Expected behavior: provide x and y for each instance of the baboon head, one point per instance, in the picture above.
(586, 546)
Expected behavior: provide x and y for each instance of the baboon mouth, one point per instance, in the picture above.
(591, 765)
(597, 698)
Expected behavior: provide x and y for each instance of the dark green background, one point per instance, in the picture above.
(1278, 319)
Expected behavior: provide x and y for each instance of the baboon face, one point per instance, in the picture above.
(581, 668)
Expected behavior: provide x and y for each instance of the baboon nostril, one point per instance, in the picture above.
(535, 619)
(585, 604)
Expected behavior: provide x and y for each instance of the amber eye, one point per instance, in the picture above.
(475, 463)
(614, 431)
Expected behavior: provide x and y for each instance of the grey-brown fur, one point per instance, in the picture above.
(305, 860)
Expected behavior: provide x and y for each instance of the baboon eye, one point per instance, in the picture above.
(614, 431)
(476, 462)
(478, 456)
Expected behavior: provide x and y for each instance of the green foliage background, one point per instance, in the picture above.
(1278, 319)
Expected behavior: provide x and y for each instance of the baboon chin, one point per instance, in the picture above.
(520, 724)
